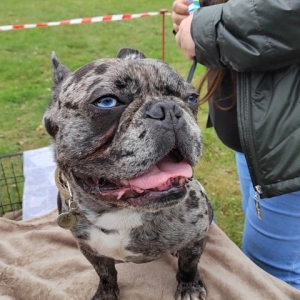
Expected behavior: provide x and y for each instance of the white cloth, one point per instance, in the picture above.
(40, 191)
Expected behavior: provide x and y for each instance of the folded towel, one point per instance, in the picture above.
(39, 260)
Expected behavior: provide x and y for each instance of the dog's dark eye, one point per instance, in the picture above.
(192, 99)
(106, 102)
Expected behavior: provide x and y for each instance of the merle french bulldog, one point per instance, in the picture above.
(125, 140)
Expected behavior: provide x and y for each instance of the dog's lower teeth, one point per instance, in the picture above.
(181, 180)
(124, 182)
(130, 194)
(175, 182)
(102, 186)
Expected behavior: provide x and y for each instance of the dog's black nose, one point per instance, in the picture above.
(164, 111)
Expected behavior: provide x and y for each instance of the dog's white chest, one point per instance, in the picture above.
(111, 233)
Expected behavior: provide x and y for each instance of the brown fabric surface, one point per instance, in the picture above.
(39, 260)
(14, 215)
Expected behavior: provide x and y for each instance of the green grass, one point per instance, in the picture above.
(217, 173)
(25, 78)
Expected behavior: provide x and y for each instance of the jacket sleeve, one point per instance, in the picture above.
(248, 35)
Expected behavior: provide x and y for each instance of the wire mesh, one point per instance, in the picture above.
(11, 183)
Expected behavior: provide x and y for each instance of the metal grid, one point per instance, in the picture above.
(11, 183)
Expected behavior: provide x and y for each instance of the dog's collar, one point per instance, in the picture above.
(62, 184)
(66, 220)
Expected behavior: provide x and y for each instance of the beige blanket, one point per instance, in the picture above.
(39, 260)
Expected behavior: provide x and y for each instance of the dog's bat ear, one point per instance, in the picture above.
(60, 72)
(128, 54)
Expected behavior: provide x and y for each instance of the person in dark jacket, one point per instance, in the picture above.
(252, 53)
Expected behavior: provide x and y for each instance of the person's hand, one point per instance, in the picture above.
(179, 12)
(184, 39)
(182, 26)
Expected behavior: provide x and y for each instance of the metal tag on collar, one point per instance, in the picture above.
(67, 220)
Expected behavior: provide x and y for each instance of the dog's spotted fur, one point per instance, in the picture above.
(151, 110)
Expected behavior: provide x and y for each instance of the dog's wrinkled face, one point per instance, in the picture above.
(124, 130)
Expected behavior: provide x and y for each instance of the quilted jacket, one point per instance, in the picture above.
(260, 40)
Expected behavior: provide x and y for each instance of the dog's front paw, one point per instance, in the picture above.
(102, 295)
(190, 291)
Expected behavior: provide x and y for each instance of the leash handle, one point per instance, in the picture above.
(193, 5)
(192, 71)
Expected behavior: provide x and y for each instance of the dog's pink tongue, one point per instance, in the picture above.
(160, 173)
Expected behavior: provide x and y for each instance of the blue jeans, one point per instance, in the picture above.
(272, 243)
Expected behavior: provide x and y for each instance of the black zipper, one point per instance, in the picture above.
(245, 132)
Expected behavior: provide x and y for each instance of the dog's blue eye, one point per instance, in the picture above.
(192, 99)
(106, 102)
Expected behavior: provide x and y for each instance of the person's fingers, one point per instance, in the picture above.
(181, 26)
(177, 19)
(178, 39)
(184, 39)
(180, 11)
(180, 7)
(175, 27)
(182, 43)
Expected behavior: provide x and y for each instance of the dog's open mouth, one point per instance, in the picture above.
(165, 179)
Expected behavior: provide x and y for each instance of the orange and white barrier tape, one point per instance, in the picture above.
(79, 21)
